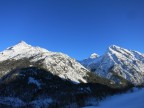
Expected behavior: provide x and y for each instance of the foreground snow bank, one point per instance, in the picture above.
(129, 100)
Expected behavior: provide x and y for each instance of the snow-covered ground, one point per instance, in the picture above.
(129, 100)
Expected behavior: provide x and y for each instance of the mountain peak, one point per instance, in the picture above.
(114, 47)
(22, 43)
(94, 55)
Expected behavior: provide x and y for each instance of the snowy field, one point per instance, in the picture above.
(130, 100)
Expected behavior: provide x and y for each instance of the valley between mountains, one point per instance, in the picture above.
(33, 77)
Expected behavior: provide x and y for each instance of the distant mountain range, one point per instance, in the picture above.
(35, 77)
(117, 64)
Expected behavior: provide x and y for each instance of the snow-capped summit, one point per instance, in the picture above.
(21, 44)
(25, 55)
(94, 55)
(114, 47)
(119, 62)
(89, 62)
(20, 50)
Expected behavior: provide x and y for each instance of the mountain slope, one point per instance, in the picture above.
(24, 55)
(37, 88)
(119, 63)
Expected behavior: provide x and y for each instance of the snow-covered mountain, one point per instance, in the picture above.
(118, 63)
(34, 77)
(24, 55)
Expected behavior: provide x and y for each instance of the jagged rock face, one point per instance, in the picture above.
(23, 55)
(119, 62)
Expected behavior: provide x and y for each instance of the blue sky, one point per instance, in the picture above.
(75, 27)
